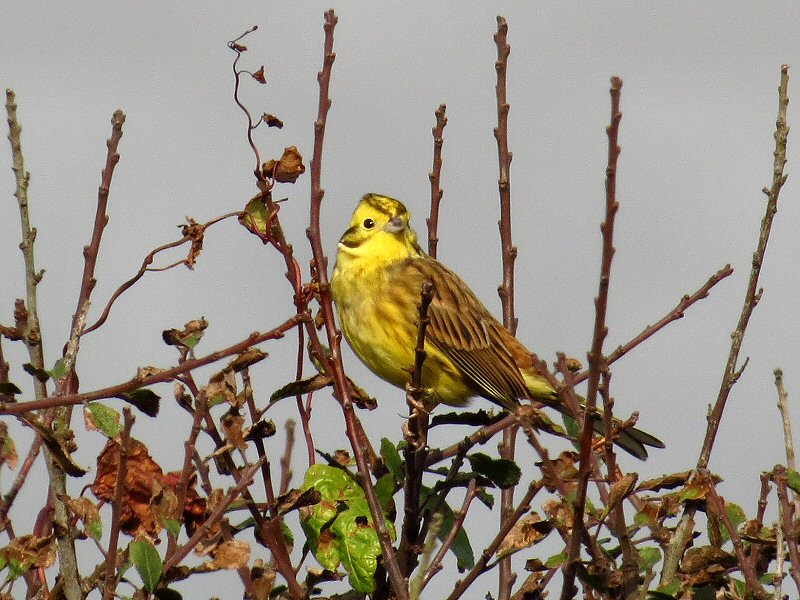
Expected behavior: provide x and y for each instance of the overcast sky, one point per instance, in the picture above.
(699, 104)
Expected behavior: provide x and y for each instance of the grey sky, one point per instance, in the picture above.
(699, 105)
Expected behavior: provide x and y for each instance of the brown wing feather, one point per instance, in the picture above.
(467, 334)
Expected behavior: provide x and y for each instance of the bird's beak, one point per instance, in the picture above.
(394, 225)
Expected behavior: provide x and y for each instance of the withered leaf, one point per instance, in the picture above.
(222, 388)
(303, 386)
(296, 499)
(40, 374)
(230, 554)
(232, 427)
(262, 429)
(272, 120)
(259, 75)
(187, 337)
(288, 168)
(665, 482)
(87, 512)
(8, 451)
(61, 446)
(30, 552)
(263, 576)
(136, 516)
(528, 531)
(196, 232)
(620, 490)
(144, 399)
(246, 359)
(478, 418)
(699, 559)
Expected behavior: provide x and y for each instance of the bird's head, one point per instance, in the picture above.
(379, 229)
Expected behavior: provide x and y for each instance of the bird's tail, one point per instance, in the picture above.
(631, 439)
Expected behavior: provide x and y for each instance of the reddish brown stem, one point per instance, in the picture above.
(117, 505)
(159, 377)
(435, 178)
(598, 363)
(717, 505)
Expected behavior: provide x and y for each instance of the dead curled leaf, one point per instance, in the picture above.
(230, 554)
(30, 552)
(288, 168)
(528, 531)
(149, 495)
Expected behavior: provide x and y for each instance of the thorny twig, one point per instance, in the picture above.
(435, 177)
(598, 363)
(481, 565)
(752, 296)
(506, 576)
(753, 293)
(783, 407)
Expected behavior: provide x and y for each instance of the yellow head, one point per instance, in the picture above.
(379, 230)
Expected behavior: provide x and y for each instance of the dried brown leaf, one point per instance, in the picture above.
(295, 499)
(288, 168)
(528, 531)
(136, 517)
(232, 427)
(30, 552)
(665, 482)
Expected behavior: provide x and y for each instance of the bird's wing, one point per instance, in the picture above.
(464, 331)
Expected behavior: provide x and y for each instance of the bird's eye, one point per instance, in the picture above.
(369, 223)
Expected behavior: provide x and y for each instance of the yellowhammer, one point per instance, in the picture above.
(376, 285)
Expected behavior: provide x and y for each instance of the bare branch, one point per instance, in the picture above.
(435, 178)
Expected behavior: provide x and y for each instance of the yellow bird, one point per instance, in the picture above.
(376, 286)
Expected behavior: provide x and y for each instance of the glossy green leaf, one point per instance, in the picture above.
(502, 472)
(147, 562)
(339, 528)
(392, 459)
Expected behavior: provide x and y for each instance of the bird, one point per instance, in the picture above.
(376, 287)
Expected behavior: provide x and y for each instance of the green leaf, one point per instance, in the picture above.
(648, 557)
(339, 528)
(95, 529)
(572, 426)
(793, 480)
(669, 590)
(59, 369)
(502, 472)
(461, 548)
(147, 561)
(392, 459)
(385, 488)
(145, 400)
(173, 527)
(105, 419)
(556, 560)
(255, 216)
